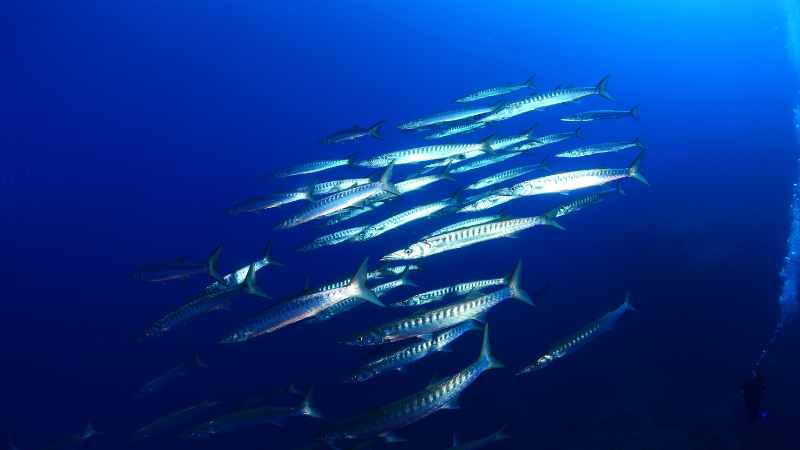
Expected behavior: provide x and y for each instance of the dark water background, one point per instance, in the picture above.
(130, 128)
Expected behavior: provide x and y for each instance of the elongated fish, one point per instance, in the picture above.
(333, 186)
(485, 161)
(502, 177)
(350, 213)
(415, 183)
(483, 201)
(502, 143)
(354, 133)
(498, 435)
(303, 307)
(204, 304)
(406, 355)
(547, 140)
(591, 116)
(427, 322)
(180, 269)
(468, 236)
(253, 417)
(546, 99)
(577, 205)
(426, 153)
(455, 130)
(446, 117)
(331, 239)
(465, 224)
(372, 275)
(76, 440)
(496, 91)
(314, 167)
(343, 200)
(452, 160)
(460, 289)
(174, 420)
(579, 339)
(261, 203)
(597, 149)
(236, 278)
(436, 396)
(170, 376)
(578, 179)
(405, 217)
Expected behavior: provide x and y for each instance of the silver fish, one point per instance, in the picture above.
(331, 239)
(408, 216)
(498, 435)
(436, 396)
(455, 130)
(354, 133)
(460, 289)
(579, 204)
(597, 149)
(234, 279)
(314, 167)
(430, 321)
(502, 143)
(351, 213)
(333, 186)
(547, 140)
(180, 269)
(411, 353)
(579, 339)
(502, 177)
(591, 116)
(468, 236)
(453, 160)
(495, 91)
(483, 201)
(175, 420)
(465, 224)
(415, 183)
(446, 117)
(426, 153)
(546, 99)
(261, 203)
(485, 161)
(303, 307)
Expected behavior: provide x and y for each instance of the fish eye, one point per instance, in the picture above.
(408, 251)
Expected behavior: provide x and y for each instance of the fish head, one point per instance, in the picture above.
(237, 336)
(414, 251)
(542, 362)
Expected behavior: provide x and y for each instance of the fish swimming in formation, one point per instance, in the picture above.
(579, 339)
(170, 376)
(577, 205)
(547, 140)
(426, 153)
(484, 162)
(446, 117)
(465, 223)
(314, 167)
(485, 200)
(350, 213)
(296, 309)
(331, 239)
(502, 177)
(333, 186)
(455, 130)
(236, 278)
(598, 149)
(459, 290)
(424, 323)
(354, 133)
(180, 269)
(415, 183)
(498, 435)
(591, 116)
(496, 91)
(343, 200)
(547, 99)
(438, 395)
(253, 417)
(175, 420)
(405, 217)
(406, 355)
(502, 143)
(264, 202)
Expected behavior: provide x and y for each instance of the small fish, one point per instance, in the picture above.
(446, 117)
(170, 376)
(294, 310)
(333, 186)
(546, 99)
(175, 419)
(427, 153)
(502, 177)
(455, 130)
(438, 395)
(495, 91)
(424, 323)
(314, 167)
(405, 217)
(406, 355)
(547, 140)
(460, 289)
(484, 201)
(484, 162)
(234, 279)
(261, 203)
(465, 224)
(180, 269)
(591, 116)
(331, 239)
(597, 149)
(502, 143)
(354, 133)
(579, 339)
(577, 205)
(498, 435)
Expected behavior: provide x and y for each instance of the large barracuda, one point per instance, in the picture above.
(427, 322)
(496, 91)
(591, 116)
(502, 177)
(547, 140)
(331, 239)
(343, 200)
(598, 149)
(468, 236)
(487, 160)
(303, 307)
(426, 153)
(347, 214)
(579, 339)
(544, 100)
(408, 216)
(460, 289)
(236, 278)
(334, 186)
(442, 394)
(314, 167)
(502, 143)
(180, 269)
(579, 204)
(465, 224)
(356, 132)
(498, 435)
(578, 179)
(261, 203)
(402, 357)
(483, 201)
(455, 130)
(175, 420)
(446, 117)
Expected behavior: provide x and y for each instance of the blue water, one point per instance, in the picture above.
(130, 127)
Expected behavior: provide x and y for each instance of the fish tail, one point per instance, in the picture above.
(90, 430)
(486, 144)
(306, 408)
(634, 112)
(633, 170)
(637, 142)
(359, 281)
(211, 264)
(267, 255)
(601, 88)
(530, 82)
(513, 281)
(404, 281)
(578, 132)
(250, 285)
(375, 130)
(386, 180)
(446, 172)
(549, 221)
(529, 131)
(501, 434)
(626, 306)
(486, 352)
(199, 363)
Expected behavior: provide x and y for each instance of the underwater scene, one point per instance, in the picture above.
(360, 224)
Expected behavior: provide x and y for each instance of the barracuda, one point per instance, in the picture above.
(486, 200)
(468, 236)
(175, 420)
(334, 186)
(502, 177)
(436, 396)
(456, 130)
(598, 149)
(502, 143)
(591, 116)
(465, 224)
(416, 183)
(331, 239)
(303, 307)
(579, 339)
(547, 99)
(460, 289)
(233, 279)
(425, 323)
(496, 91)
(343, 216)
(547, 140)
(579, 204)
(426, 153)
(420, 212)
(579, 179)
(446, 117)
(354, 133)
(261, 203)
(314, 167)
(483, 162)
(404, 356)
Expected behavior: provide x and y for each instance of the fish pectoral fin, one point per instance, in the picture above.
(452, 404)
(481, 318)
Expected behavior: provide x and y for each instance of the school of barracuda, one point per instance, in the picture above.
(354, 207)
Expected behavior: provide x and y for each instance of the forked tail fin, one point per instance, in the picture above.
(601, 88)
(515, 287)
(211, 264)
(250, 285)
(386, 180)
(486, 356)
(375, 130)
(634, 169)
(359, 282)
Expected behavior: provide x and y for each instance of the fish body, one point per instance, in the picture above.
(502, 177)
(577, 205)
(446, 117)
(416, 183)
(261, 203)
(422, 154)
(465, 224)
(546, 99)
(333, 186)
(350, 303)
(498, 435)
(453, 160)
(502, 143)
(496, 91)
(354, 133)
(603, 114)
(332, 239)
(170, 376)
(547, 140)
(483, 162)
(579, 339)
(597, 149)
(460, 289)
(347, 214)
(408, 216)
(175, 420)
(234, 279)
(180, 269)
(314, 167)
(486, 200)
(455, 130)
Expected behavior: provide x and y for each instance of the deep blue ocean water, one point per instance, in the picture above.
(131, 127)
